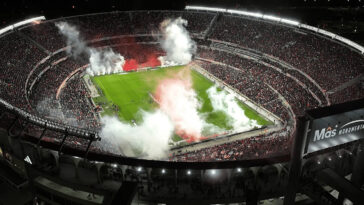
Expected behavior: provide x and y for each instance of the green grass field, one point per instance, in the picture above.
(125, 94)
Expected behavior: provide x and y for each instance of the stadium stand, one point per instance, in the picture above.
(326, 61)
(66, 165)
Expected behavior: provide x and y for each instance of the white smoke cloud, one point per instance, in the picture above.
(223, 101)
(102, 61)
(75, 44)
(176, 41)
(178, 113)
(149, 140)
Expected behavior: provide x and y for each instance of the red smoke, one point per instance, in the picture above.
(137, 55)
(178, 100)
(130, 65)
(133, 64)
(152, 61)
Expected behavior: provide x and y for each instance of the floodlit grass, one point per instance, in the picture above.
(126, 94)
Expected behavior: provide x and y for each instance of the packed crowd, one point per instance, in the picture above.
(46, 34)
(76, 104)
(353, 92)
(18, 57)
(73, 106)
(97, 26)
(322, 95)
(15, 126)
(47, 85)
(328, 62)
(250, 148)
(252, 79)
(40, 67)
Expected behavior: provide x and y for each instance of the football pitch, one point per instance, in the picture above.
(127, 93)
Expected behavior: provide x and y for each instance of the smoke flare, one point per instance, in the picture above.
(179, 101)
(102, 61)
(75, 44)
(176, 41)
(223, 101)
(148, 140)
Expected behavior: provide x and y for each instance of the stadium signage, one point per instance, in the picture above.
(345, 129)
(335, 130)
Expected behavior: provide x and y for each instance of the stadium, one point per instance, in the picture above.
(95, 109)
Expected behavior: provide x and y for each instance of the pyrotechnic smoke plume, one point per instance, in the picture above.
(177, 113)
(179, 101)
(102, 61)
(223, 101)
(150, 139)
(75, 44)
(176, 41)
